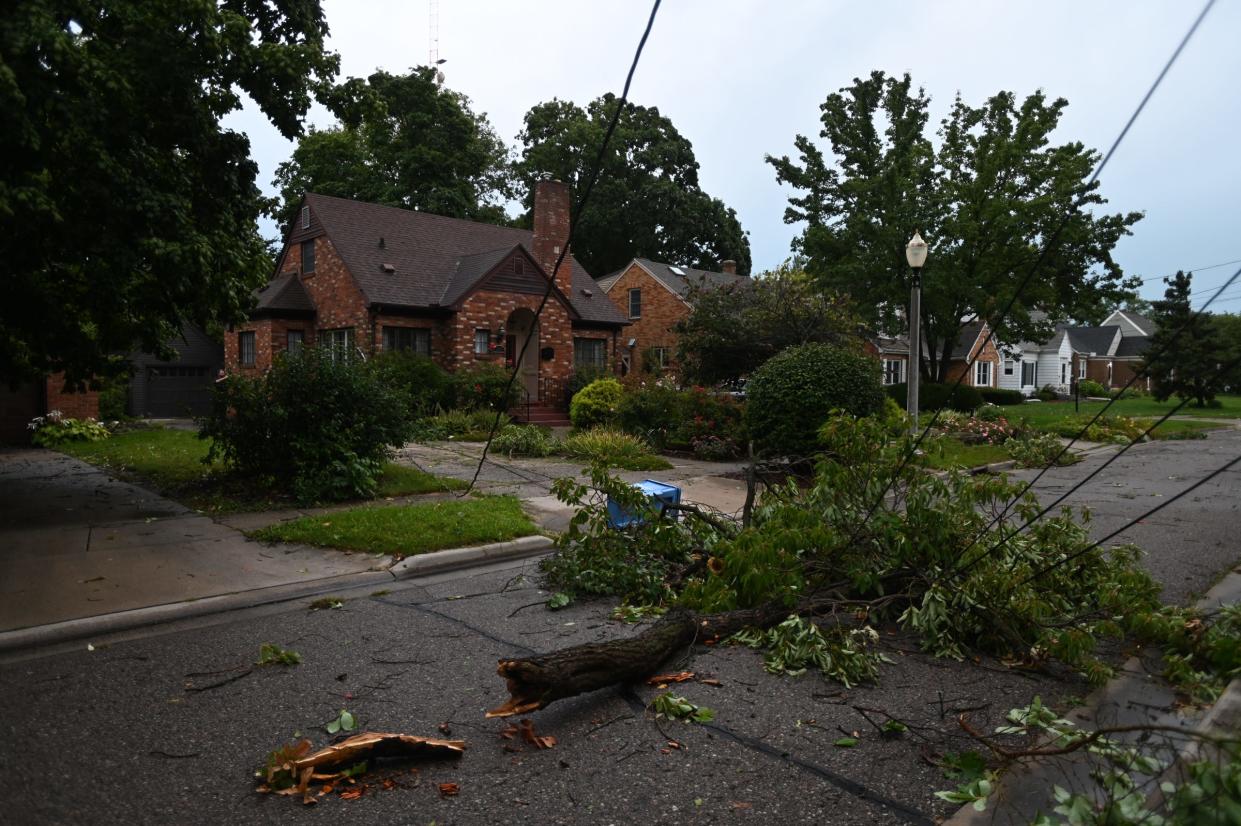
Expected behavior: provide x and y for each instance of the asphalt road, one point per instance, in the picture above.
(130, 732)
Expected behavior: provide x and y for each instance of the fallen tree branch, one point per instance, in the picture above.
(536, 682)
(1093, 736)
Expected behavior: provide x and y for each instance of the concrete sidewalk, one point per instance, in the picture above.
(74, 542)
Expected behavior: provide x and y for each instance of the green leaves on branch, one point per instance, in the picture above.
(797, 644)
(678, 708)
(271, 654)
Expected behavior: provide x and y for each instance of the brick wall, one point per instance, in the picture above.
(491, 310)
(989, 353)
(551, 229)
(661, 309)
(73, 403)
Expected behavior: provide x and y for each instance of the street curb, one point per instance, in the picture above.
(423, 564)
(41, 636)
(57, 632)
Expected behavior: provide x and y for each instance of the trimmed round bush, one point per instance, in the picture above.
(598, 403)
(792, 394)
(1089, 387)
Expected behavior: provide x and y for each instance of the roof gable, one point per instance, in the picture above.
(1131, 324)
(404, 258)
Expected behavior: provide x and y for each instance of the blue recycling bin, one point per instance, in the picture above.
(664, 496)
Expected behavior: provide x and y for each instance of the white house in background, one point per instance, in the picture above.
(1027, 366)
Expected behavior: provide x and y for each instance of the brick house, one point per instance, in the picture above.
(969, 355)
(654, 297)
(20, 404)
(1111, 353)
(366, 278)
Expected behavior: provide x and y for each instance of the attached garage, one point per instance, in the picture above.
(179, 388)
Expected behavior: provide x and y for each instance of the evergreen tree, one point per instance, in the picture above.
(1186, 351)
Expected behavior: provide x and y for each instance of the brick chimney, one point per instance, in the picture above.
(551, 230)
(728, 266)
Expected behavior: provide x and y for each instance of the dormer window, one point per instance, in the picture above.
(305, 217)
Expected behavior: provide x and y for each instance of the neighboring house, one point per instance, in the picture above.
(181, 387)
(654, 297)
(1115, 367)
(974, 354)
(38, 398)
(893, 355)
(970, 355)
(363, 278)
(1108, 353)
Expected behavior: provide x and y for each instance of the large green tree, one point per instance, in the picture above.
(992, 197)
(647, 203)
(733, 329)
(1228, 330)
(126, 209)
(1186, 351)
(404, 141)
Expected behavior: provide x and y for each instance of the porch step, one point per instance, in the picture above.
(541, 414)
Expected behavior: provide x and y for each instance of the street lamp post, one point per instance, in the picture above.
(915, 254)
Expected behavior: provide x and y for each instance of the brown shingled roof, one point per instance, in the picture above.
(435, 259)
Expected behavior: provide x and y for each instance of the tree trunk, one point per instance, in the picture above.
(536, 682)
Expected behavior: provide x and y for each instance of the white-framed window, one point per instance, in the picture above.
(245, 348)
(293, 340)
(590, 353)
(482, 342)
(982, 374)
(893, 371)
(305, 217)
(635, 303)
(1027, 373)
(339, 342)
(662, 356)
(414, 339)
(1081, 368)
(1009, 367)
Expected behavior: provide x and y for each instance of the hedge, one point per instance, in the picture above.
(996, 395)
(933, 396)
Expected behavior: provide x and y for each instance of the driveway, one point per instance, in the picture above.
(74, 542)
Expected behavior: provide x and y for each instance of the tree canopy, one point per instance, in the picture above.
(731, 330)
(990, 199)
(403, 141)
(127, 209)
(648, 201)
(1186, 350)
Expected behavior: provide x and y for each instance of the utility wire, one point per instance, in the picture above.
(1047, 247)
(1098, 414)
(574, 216)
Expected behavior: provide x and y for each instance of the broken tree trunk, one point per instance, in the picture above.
(536, 682)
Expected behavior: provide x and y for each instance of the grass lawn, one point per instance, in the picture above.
(170, 462)
(1038, 413)
(404, 530)
(1175, 429)
(948, 453)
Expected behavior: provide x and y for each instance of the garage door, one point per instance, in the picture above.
(176, 390)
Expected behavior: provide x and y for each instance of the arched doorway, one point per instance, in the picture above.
(519, 325)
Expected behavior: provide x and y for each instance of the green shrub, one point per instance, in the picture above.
(652, 412)
(935, 396)
(1046, 393)
(598, 403)
(612, 448)
(459, 425)
(56, 429)
(484, 386)
(425, 385)
(703, 414)
(114, 398)
(792, 394)
(1106, 429)
(1089, 387)
(895, 420)
(317, 426)
(1000, 396)
(583, 376)
(524, 440)
(989, 413)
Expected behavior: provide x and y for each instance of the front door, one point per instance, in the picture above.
(520, 324)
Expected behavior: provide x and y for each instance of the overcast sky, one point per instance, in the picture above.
(740, 79)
